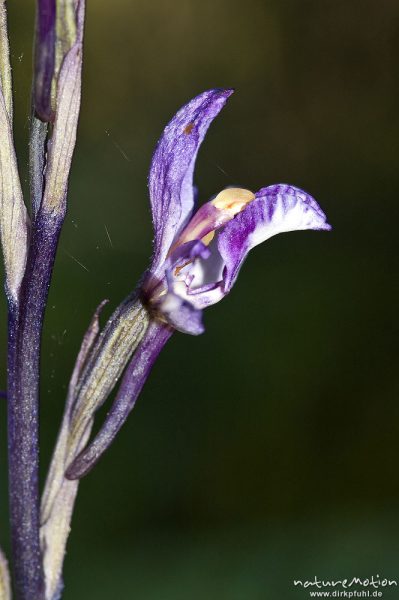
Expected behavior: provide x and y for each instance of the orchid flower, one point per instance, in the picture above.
(198, 252)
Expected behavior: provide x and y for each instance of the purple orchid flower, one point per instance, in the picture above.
(197, 253)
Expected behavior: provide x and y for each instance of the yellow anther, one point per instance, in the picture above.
(207, 220)
(208, 238)
(233, 200)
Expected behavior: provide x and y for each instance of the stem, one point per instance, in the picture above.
(25, 330)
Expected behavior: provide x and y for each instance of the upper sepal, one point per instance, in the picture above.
(171, 174)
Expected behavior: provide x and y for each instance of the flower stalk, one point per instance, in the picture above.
(29, 250)
(25, 330)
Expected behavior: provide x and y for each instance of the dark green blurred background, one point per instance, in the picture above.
(266, 449)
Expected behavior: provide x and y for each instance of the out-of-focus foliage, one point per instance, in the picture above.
(251, 460)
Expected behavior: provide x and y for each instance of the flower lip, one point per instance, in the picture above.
(276, 209)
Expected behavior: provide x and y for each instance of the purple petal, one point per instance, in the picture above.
(181, 314)
(206, 295)
(202, 279)
(171, 173)
(188, 252)
(195, 277)
(276, 209)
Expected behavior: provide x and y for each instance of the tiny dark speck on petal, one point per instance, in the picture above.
(188, 128)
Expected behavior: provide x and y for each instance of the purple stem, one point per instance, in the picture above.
(133, 380)
(25, 329)
(44, 58)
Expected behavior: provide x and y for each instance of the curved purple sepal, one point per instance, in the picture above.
(276, 209)
(172, 167)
